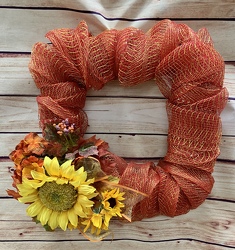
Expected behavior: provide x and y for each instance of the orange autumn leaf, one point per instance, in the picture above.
(13, 193)
(35, 144)
(17, 156)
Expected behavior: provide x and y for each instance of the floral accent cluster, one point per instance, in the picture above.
(60, 176)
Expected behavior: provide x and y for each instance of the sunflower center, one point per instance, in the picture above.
(112, 202)
(57, 197)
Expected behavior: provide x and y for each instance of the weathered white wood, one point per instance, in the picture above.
(210, 222)
(106, 115)
(212, 225)
(116, 115)
(179, 244)
(15, 79)
(129, 146)
(224, 175)
(140, 146)
(145, 9)
(14, 38)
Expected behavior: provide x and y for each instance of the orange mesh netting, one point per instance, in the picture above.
(189, 73)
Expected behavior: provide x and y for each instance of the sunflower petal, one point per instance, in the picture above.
(84, 201)
(80, 175)
(73, 218)
(78, 209)
(52, 166)
(34, 209)
(63, 220)
(28, 198)
(97, 220)
(47, 163)
(86, 190)
(67, 170)
(61, 181)
(37, 175)
(25, 189)
(87, 223)
(36, 183)
(44, 215)
(107, 218)
(53, 220)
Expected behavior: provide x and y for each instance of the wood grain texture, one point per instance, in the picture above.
(125, 117)
(21, 40)
(106, 114)
(211, 224)
(15, 79)
(150, 9)
(179, 244)
(144, 230)
(128, 146)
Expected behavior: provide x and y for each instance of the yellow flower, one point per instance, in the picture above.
(58, 195)
(112, 205)
(97, 220)
(95, 223)
(109, 206)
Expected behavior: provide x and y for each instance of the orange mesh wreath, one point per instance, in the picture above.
(188, 71)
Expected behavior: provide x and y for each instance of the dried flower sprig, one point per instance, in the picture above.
(64, 127)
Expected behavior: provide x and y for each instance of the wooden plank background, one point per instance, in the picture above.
(126, 118)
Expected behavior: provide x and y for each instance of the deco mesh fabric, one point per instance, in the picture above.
(188, 71)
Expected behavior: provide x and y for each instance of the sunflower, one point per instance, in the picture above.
(109, 206)
(58, 195)
(112, 204)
